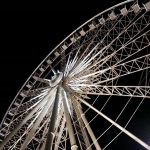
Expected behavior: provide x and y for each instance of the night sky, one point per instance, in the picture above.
(27, 38)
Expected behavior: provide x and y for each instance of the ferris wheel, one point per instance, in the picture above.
(90, 91)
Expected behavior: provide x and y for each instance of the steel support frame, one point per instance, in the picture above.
(50, 135)
(68, 120)
(60, 94)
(48, 146)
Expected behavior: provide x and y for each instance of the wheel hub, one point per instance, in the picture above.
(56, 79)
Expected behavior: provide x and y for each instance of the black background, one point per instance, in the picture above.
(26, 39)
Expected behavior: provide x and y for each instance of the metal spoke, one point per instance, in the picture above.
(38, 121)
(25, 119)
(117, 125)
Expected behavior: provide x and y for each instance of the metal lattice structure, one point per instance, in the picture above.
(107, 59)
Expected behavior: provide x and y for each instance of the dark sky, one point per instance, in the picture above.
(26, 39)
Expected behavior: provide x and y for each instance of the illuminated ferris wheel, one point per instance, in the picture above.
(89, 89)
